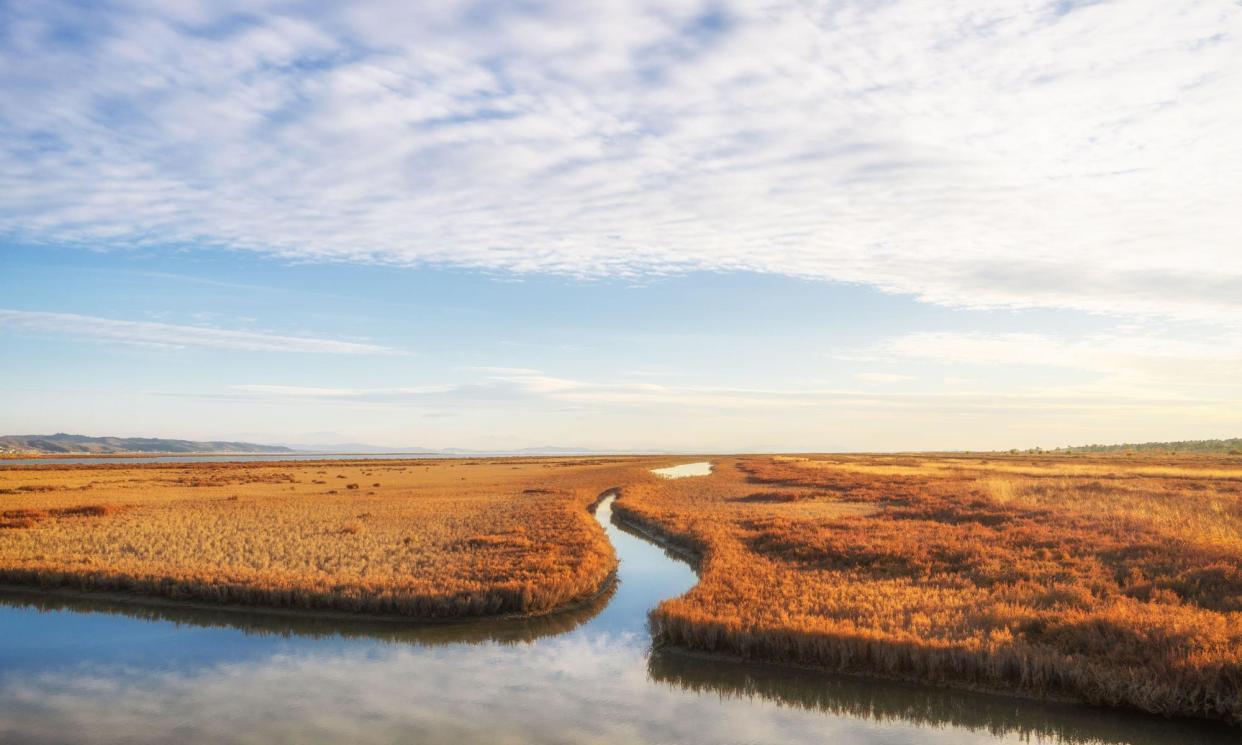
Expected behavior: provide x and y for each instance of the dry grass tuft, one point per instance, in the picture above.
(87, 510)
(28, 518)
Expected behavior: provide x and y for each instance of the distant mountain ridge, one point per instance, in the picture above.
(66, 443)
(81, 444)
(364, 448)
(1231, 446)
(356, 448)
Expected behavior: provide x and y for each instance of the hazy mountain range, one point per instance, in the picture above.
(66, 443)
(361, 447)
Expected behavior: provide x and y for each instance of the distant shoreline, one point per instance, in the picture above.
(163, 454)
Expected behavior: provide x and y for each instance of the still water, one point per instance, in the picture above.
(702, 468)
(74, 670)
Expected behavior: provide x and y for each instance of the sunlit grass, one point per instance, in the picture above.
(1114, 580)
(1108, 466)
(426, 539)
(1119, 586)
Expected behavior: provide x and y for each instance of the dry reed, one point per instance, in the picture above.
(1115, 581)
(437, 539)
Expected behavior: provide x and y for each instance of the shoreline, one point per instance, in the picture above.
(1000, 694)
(8, 586)
(686, 549)
(139, 599)
(219, 454)
(179, 460)
(155, 600)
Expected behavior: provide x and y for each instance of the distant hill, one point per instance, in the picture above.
(356, 448)
(1232, 446)
(364, 448)
(63, 443)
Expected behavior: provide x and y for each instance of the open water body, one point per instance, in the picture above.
(92, 671)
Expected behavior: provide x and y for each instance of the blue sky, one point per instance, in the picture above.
(814, 226)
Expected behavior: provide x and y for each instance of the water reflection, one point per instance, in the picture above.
(318, 626)
(701, 468)
(888, 701)
(81, 670)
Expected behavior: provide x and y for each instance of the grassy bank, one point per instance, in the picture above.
(426, 539)
(1110, 580)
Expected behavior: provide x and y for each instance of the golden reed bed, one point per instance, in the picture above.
(431, 539)
(1109, 580)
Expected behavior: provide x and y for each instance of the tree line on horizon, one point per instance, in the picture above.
(1230, 446)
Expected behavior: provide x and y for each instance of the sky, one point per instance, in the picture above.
(693, 226)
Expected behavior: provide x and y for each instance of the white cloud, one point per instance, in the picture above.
(169, 335)
(527, 388)
(504, 412)
(1024, 153)
(298, 391)
(883, 377)
(1100, 366)
(1216, 358)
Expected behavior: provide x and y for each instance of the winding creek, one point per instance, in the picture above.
(78, 670)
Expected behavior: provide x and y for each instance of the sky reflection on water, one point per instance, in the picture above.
(700, 468)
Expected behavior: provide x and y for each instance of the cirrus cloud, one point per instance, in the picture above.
(174, 336)
(1026, 153)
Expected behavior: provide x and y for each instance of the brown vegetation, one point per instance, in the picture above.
(1109, 579)
(28, 518)
(438, 539)
(1112, 580)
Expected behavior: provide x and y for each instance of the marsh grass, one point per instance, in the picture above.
(1107, 579)
(1112, 581)
(438, 539)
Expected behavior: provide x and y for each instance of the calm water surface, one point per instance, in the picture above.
(98, 672)
(702, 468)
